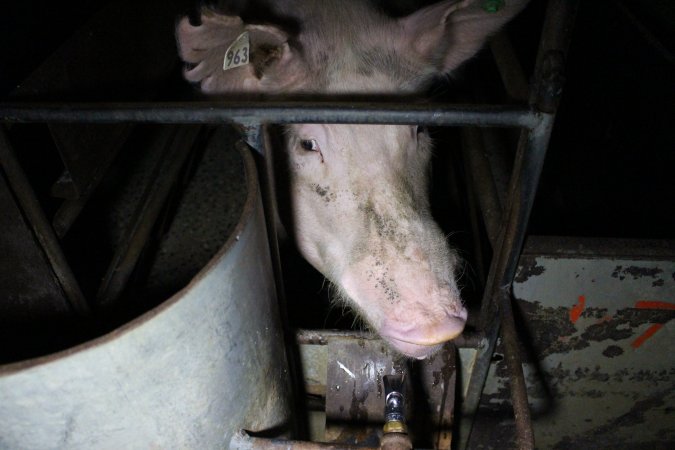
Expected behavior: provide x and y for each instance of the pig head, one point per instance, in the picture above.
(360, 210)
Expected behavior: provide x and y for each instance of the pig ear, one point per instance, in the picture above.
(269, 63)
(452, 31)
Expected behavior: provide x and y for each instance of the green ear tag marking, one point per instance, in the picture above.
(493, 6)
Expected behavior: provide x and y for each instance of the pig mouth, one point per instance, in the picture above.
(421, 342)
(413, 350)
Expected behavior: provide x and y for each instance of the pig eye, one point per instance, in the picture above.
(310, 145)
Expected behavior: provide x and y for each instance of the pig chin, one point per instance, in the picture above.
(415, 316)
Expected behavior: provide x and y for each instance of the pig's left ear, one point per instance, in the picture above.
(448, 33)
(224, 54)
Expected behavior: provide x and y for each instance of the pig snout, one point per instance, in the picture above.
(412, 306)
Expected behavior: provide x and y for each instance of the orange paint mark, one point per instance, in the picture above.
(646, 335)
(649, 304)
(576, 310)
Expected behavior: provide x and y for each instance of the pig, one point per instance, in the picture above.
(359, 210)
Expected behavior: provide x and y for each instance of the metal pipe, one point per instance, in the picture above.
(468, 339)
(555, 39)
(483, 182)
(273, 112)
(43, 231)
(521, 408)
(510, 69)
(244, 441)
(544, 96)
(527, 170)
(496, 155)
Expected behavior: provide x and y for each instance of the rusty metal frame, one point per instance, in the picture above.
(535, 120)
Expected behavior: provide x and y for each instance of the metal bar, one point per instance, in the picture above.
(178, 146)
(41, 227)
(273, 112)
(256, 142)
(468, 339)
(483, 181)
(521, 407)
(474, 210)
(523, 187)
(244, 441)
(544, 97)
(107, 144)
(510, 69)
(495, 153)
(555, 39)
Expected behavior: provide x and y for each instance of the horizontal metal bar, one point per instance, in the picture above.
(467, 339)
(242, 440)
(272, 112)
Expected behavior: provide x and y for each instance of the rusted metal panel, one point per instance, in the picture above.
(354, 390)
(599, 320)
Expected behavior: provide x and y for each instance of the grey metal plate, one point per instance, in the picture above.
(599, 318)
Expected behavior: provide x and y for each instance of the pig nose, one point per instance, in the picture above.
(420, 341)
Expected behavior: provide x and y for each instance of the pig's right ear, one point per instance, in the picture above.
(449, 32)
(267, 62)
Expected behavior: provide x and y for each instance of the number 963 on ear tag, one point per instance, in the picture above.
(238, 53)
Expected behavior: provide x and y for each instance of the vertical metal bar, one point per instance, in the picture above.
(496, 155)
(527, 170)
(178, 145)
(555, 40)
(544, 98)
(43, 231)
(483, 181)
(510, 69)
(255, 139)
(521, 407)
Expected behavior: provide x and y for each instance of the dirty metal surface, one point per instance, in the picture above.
(348, 368)
(354, 389)
(207, 362)
(206, 214)
(597, 318)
